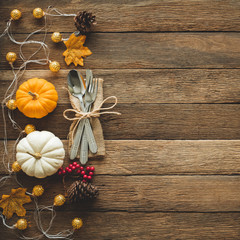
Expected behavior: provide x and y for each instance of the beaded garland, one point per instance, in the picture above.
(10, 103)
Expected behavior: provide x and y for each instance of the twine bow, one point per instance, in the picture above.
(80, 115)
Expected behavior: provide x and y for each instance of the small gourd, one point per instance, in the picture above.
(36, 97)
(40, 154)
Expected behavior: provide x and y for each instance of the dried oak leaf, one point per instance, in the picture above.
(75, 50)
(13, 203)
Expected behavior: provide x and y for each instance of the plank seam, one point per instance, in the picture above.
(140, 211)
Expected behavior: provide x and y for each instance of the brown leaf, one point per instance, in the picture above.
(75, 50)
(13, 203)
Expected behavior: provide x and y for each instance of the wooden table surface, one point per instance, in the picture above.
(172, 161)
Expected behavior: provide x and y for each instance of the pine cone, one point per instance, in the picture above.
(81, 191)
(84, 21)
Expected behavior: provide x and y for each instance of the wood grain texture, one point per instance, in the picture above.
(146, 193)
(151, 85)
(149, 121)
(131, 15)
(135, 226)
(142, 50)
(134, 157)
(174, 66)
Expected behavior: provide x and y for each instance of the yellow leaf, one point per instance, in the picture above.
(13, 203)
(75, 50)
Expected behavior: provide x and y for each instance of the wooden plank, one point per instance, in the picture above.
(120, 15)
(134, 226)
(152, 86)
(161, 157)
(143, 50)
(148, 193)
(149, 122)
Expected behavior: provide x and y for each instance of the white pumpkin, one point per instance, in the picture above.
(40, 154)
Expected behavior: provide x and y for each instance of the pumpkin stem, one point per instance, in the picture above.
(36, 155)
(34, 95)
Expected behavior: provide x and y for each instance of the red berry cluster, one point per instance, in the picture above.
(76, 169)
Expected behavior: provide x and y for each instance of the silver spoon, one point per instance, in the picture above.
(76, 86)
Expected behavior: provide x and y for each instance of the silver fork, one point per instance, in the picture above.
(90, 96)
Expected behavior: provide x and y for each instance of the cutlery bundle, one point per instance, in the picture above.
(86, 97)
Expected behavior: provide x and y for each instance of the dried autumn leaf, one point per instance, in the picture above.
(13, 203)
(75, 50)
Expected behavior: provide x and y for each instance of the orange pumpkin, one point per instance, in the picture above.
(36, 97)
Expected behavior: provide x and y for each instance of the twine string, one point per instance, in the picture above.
(65, 234)
(59, 13)
(4, 222)
(4, 179)
(7, 27)
(80, 115)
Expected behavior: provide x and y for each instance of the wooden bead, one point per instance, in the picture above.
(59, 200)
(11, 104)
(16, 167)
(56, 37)
(29, 128)
(54, 66)
(77, 223)
(15, 14)
(11, 57)
(38, 13)
(21, 224)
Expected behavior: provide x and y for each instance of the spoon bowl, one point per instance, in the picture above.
(75, 83)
